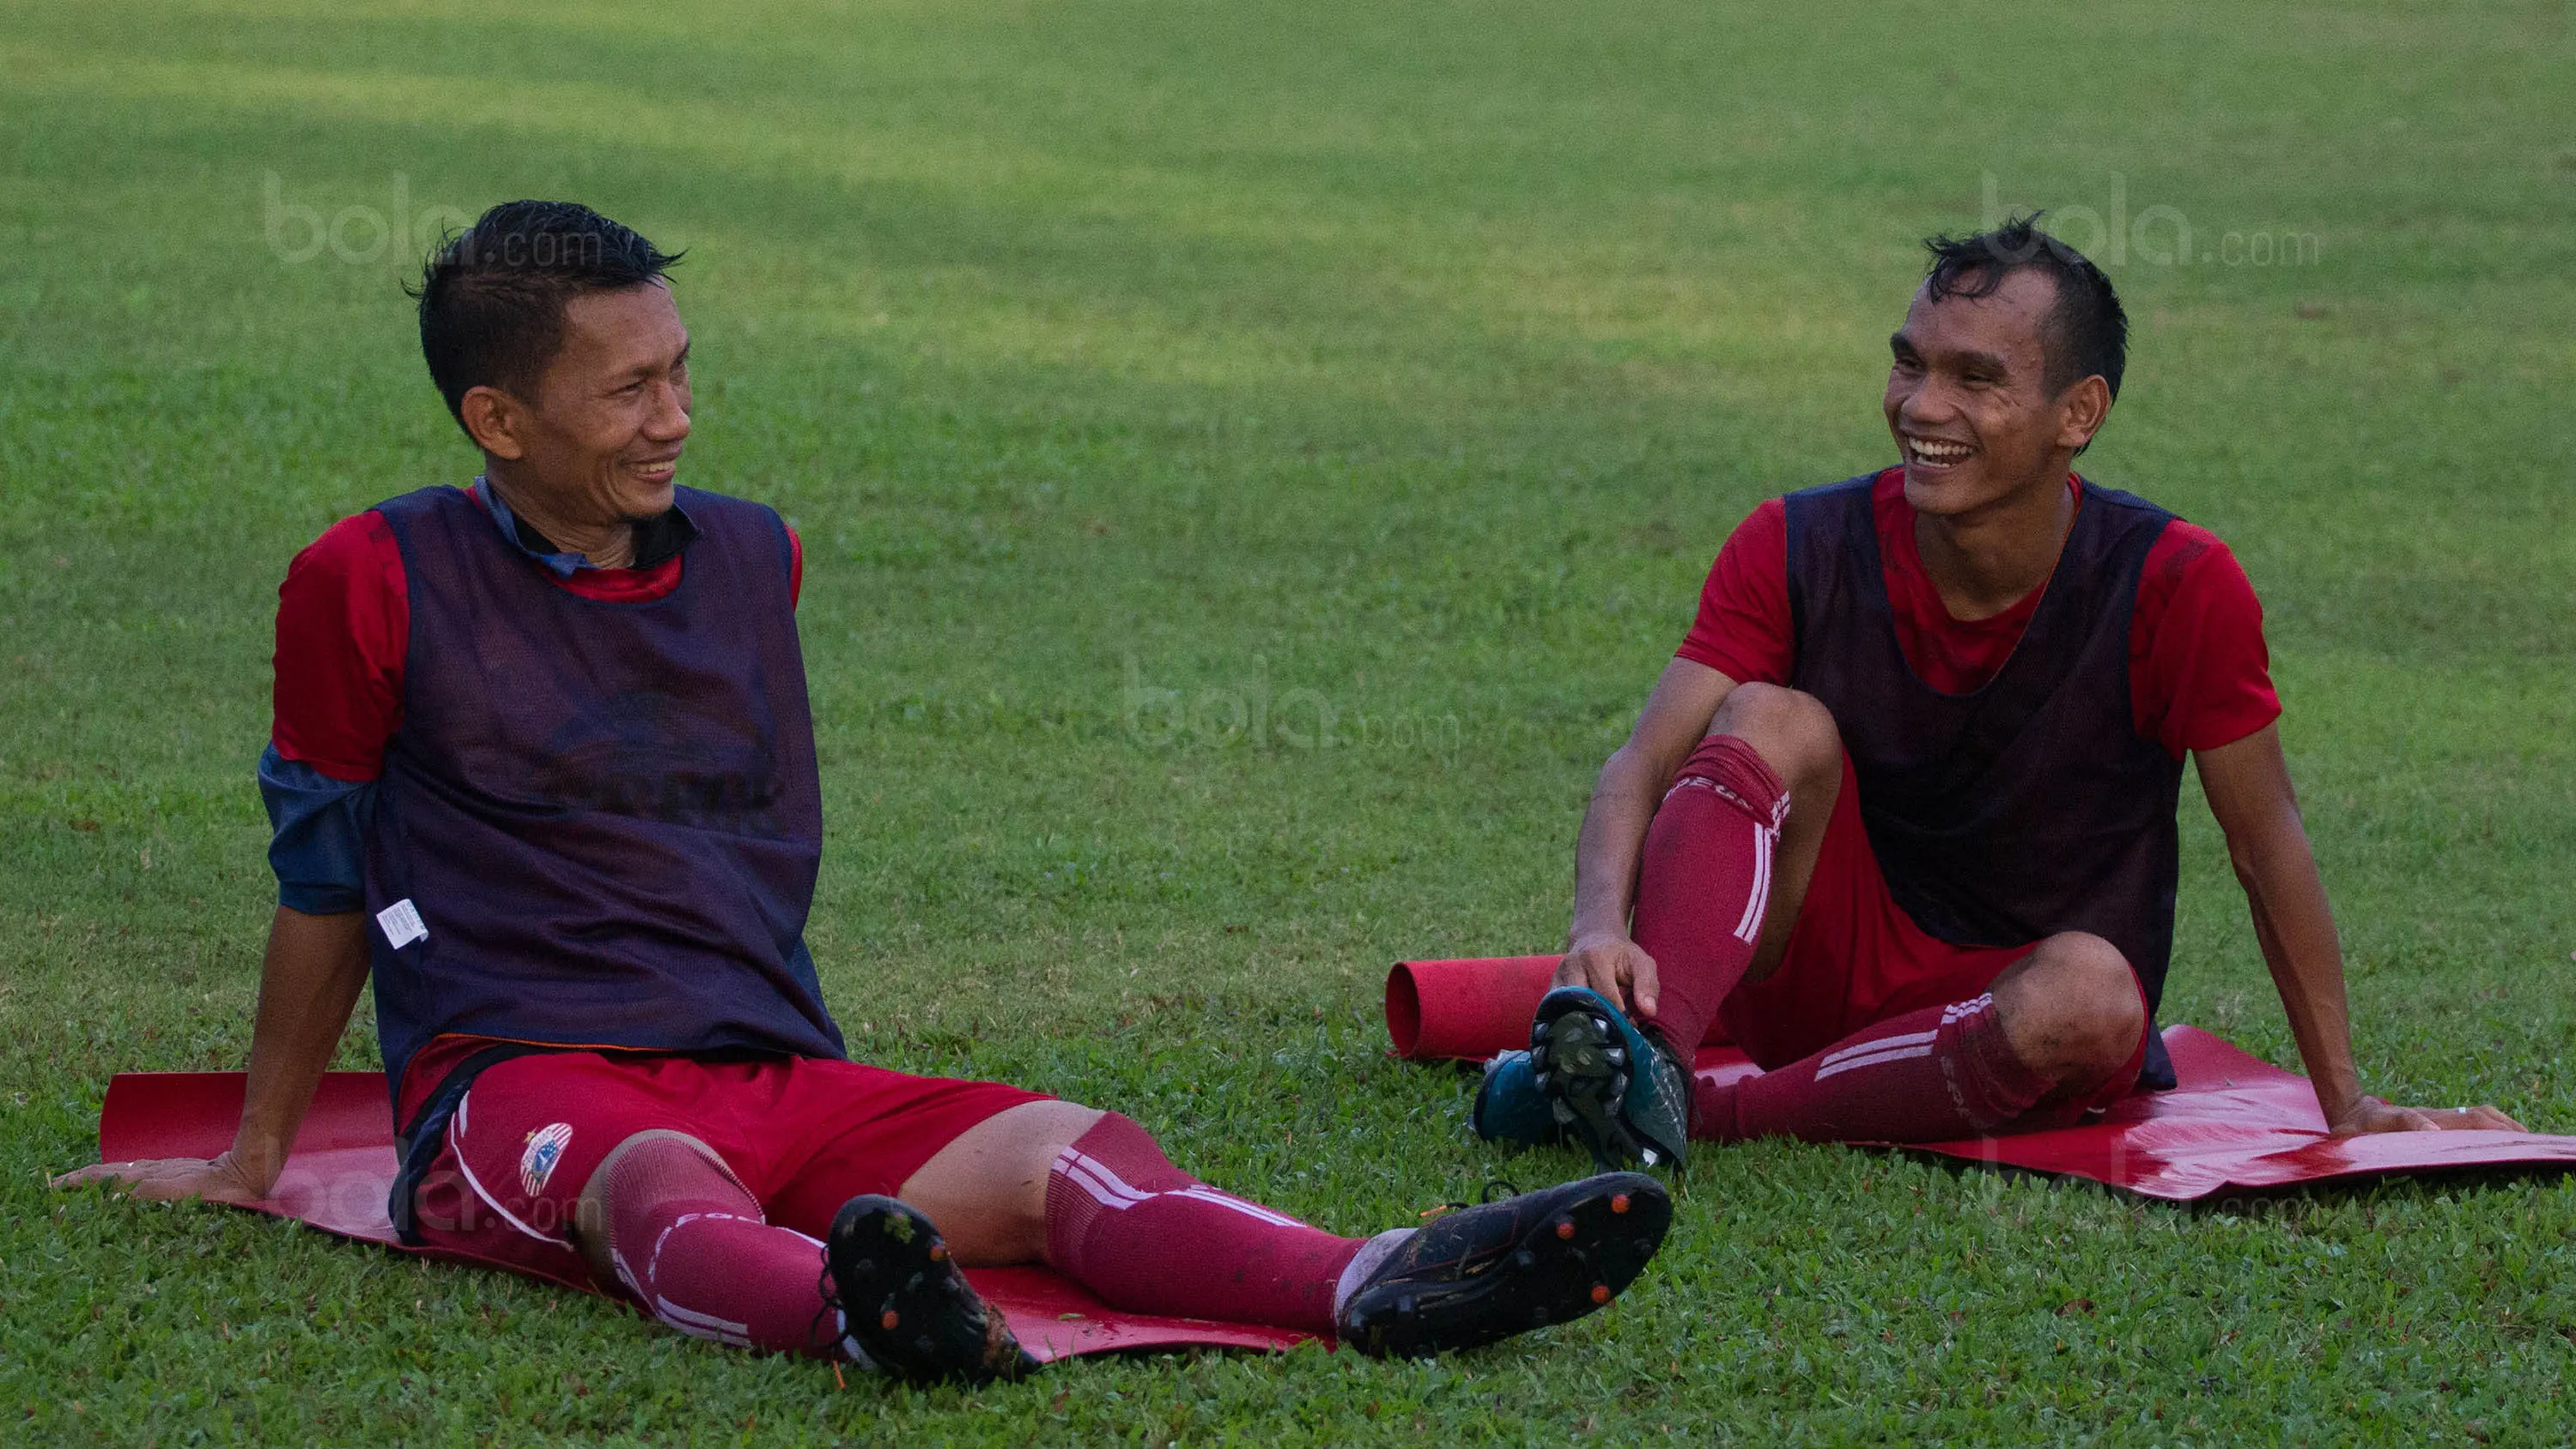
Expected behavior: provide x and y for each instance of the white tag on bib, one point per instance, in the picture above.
(401, 924)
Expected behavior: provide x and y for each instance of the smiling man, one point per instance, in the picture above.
(542, 762)
(1901, 814)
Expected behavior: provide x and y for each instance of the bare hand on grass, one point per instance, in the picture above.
(220, 1179)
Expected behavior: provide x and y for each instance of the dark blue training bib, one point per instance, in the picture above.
(606, 815)
(2025, 808)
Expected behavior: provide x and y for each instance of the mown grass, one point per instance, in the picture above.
(1416, 358)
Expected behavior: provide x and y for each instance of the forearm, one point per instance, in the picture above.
(2294, 925)
(1612, 840)
(308, 985)
(2248, 785)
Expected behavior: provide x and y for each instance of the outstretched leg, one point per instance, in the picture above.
(2054, 1030)
(1094, 1195)
(1125, 1223)
(1090, 1193)
(665, 1218)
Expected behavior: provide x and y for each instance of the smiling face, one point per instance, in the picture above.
(1969, 402)
(600, 443)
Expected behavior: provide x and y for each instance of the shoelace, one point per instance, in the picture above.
(1508, 1190)
(830, 1293)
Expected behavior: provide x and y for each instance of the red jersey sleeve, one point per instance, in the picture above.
(1743, 629)
(2200, 675)
(343, 625)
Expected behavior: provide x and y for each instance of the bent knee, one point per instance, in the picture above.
(646, 1168)
(2080, 1003)
(643, 1158)
(1789, 728)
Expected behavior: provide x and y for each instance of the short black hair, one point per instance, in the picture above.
(2086, 333)
(492, 296)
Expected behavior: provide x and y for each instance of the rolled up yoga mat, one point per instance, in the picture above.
(1469, 1008)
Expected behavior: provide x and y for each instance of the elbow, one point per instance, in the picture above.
(2276, 843)
(2242, 859)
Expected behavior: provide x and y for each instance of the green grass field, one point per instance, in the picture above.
(1132, 367)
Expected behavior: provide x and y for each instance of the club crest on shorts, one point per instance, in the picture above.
(545, 1149)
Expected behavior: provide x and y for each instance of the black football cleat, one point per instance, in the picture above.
(1486, 1273)
(906, 1304)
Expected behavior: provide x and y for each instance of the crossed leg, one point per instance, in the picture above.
(2053, 1028)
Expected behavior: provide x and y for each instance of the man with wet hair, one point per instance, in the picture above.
(1901, 813)
(542, 764)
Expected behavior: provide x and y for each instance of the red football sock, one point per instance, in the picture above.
(1148, 1237)
(1934, 1075)
(691, 1245)
(1704, 882)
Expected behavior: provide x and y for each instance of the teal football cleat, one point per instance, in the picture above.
(1622, 1093)
(1512, 1107)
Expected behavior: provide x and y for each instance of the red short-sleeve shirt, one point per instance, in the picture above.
(2199, 673)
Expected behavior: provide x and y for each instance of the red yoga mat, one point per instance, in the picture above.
(343, 1166)
(2233, 1123)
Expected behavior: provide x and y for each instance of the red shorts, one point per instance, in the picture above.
(1856, 958)
(801, 1135)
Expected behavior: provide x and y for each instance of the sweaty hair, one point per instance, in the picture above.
(2086, 332)
(492, 296)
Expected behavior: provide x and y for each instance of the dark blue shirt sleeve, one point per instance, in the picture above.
(317, 835)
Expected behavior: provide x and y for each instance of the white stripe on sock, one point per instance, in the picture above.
(1099, 1194)
(1879, 1060)
(1098, 1173)
(1959, 1010)
(1880, 1044)
(1111, 1191)
(1751, 926)
(678, 1317)
(1250, 1210)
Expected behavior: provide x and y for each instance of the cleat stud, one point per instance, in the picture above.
(888, 1319)
(1524, 1260)
(1565, 1227)
(1600, 1294)
(939, 1252)
(1618, 1202)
